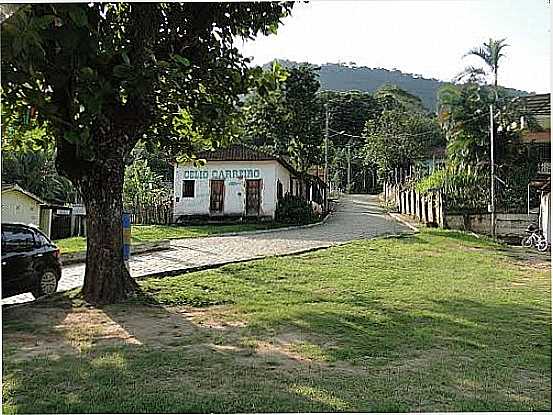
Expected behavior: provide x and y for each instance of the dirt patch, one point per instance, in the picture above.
(34, 331)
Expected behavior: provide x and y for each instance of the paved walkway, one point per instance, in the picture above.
(356, 217)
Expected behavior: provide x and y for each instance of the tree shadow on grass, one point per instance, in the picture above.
(449, 354)
(146, 358)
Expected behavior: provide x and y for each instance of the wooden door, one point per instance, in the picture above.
(253, 197)
(217, 196)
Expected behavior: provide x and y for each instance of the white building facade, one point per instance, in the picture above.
(234, 182)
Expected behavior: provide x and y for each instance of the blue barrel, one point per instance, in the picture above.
(126, 220)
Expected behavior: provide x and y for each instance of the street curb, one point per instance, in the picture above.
(286, 228)
(404, 222)
(181, 271)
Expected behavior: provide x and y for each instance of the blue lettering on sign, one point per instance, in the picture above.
(222, 174)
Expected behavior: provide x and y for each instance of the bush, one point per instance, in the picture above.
(295, 210)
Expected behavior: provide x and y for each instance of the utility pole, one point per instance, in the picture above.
(492, 184)
(326, 146)
(349, 167)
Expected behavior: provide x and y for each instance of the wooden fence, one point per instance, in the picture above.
(152, 215)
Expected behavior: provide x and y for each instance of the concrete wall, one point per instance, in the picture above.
(507, 224)
(545, 209)
(20, 208)
(234, 174)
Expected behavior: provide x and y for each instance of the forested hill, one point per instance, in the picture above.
(340, 77)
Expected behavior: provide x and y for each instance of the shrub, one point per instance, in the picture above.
(295, 210)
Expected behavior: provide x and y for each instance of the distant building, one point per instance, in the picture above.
(241, 182)
(539, 139)
(538, 142)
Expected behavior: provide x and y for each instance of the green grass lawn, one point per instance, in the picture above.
(438, 321)
(151, 233)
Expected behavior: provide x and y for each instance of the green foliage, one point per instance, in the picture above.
(288, 120)
(144, 187)
(294, 210)
(464, 115)
(102, 76)
(35, 172)
(391, 97)
(397, 138)
(490, 53)
(342, 77)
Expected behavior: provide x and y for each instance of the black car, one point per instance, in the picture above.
(30, 262)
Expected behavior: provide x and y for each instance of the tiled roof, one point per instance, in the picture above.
(539, 104)
(242, 152)
(238, 152)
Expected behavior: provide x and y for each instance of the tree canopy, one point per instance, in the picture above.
(102, 76)
(288, 121)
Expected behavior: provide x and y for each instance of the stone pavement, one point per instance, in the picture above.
(356, 217)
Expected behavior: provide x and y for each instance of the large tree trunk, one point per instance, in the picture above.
(106, 278)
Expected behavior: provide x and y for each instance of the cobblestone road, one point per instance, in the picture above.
(356, 217)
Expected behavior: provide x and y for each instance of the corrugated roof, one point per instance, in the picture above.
(539, 104)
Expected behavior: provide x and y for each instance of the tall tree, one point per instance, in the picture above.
(490, 53)
(464, 116)
(397, 138)
(348, 113)
(104, 75)
(288, 122)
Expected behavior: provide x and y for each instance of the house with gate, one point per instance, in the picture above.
(240, 182)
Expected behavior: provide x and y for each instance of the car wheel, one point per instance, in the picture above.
(47, 284)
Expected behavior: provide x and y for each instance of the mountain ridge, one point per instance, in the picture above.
(346, 77)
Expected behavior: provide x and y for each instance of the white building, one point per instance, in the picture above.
(20, 206)
(237, 181)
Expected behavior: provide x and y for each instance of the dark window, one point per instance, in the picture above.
(279, 190)
(188, 188)
(17, 239)
(543, 152)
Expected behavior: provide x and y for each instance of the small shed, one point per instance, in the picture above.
(21, 206)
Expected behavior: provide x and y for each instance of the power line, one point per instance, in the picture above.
(409, 135)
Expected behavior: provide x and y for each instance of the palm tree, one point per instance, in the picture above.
(491, 54)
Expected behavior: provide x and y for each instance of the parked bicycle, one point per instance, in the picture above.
(535, 238)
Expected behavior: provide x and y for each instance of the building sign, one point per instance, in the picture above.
(221, 174)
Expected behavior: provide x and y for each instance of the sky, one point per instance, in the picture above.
(422, 37)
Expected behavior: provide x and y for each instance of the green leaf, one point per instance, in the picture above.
(180, 60)
(87, 73)
(72, 136)
(79, 17)
(121, 71)
(125, 58)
